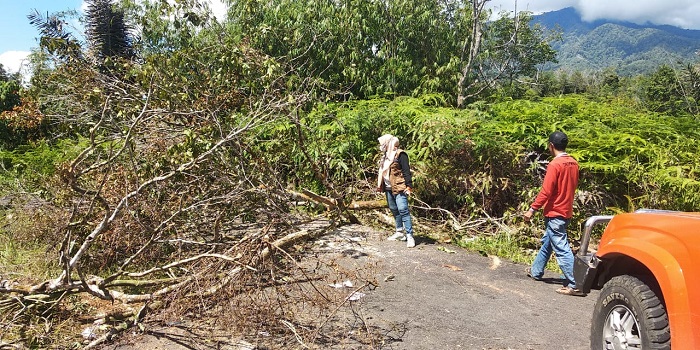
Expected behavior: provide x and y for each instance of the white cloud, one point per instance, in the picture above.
(13, 61)
(680, 13)
(218, 8)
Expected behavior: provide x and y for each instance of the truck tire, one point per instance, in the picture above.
(629, 315)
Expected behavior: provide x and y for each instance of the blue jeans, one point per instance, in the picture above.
(398, 204)
(555, 240)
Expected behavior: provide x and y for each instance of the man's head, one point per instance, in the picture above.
(558, 140)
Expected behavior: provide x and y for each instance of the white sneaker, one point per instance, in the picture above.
(410, 242)
(397, 236)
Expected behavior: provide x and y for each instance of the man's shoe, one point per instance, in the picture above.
(410, 242)
(398, 236)
(529, 274)
(570, 291)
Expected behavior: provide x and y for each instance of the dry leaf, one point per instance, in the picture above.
(452, 267)
(495, 262)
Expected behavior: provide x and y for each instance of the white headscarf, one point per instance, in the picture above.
(388, 146)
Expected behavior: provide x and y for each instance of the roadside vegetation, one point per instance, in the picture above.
(176, 165)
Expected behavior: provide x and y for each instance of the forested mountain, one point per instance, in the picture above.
(627, 47)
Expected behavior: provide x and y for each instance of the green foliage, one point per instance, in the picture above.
(28, 225)
(24, 237)
(165, 26)
(365, 48)
(32, 165)
(9, 95)
(623, 150)
(665, 92)
(520, 54)
(9, 99)
(55, 37)
(486, 158)
(455, 166)
(518, 243)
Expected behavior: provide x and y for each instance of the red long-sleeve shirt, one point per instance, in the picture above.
(557, 194)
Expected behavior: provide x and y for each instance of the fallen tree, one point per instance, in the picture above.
(171, 206)
(332, 203)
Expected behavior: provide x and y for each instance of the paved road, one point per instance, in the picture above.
(462, 300)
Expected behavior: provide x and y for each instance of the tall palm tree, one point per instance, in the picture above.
(54, 36)
(107, 32)
(3, 73)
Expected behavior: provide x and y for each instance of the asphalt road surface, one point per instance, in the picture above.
(444, 297)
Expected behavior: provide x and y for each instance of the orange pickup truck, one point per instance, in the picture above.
(647, 266)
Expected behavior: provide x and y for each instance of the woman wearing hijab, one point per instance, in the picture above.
(394, 179)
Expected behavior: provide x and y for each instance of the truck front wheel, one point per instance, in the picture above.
(629, 315)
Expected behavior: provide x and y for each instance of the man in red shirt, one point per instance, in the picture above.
(556, 199)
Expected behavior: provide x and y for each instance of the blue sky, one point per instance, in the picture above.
(19, 36)
(13, 19)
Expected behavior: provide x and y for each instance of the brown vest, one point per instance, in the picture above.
(398, 183)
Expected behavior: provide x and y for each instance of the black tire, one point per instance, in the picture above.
(629, 315)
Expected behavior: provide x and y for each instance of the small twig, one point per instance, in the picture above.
(335, 311)
(103, 338)
(313, 285)
(296, 335)
(456, 225)
(184, 261)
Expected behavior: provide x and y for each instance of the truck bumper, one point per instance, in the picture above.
(585, 270)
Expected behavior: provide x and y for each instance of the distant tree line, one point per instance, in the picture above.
(667, 90)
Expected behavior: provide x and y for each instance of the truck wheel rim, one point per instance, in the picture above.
(621, 329)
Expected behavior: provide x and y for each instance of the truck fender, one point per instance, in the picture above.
(668, 274)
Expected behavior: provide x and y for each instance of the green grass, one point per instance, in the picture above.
(507, 245)
(23, 262)
(23, 259)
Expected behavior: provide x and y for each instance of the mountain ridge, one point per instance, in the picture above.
(628, 48)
